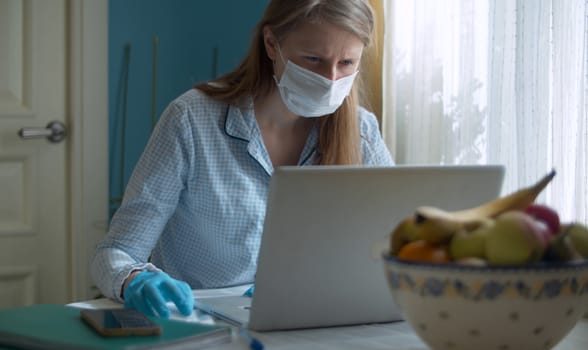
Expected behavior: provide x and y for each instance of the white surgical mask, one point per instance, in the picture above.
(309, 94)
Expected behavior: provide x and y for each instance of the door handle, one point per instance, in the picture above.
(54, 132)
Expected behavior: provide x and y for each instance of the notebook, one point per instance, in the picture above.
(320, 261)
(60, 327)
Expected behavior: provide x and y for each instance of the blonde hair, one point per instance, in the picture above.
(339, 140)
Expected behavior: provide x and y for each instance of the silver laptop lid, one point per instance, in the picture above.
(325, 230)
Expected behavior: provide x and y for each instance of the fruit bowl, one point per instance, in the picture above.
(453, 306)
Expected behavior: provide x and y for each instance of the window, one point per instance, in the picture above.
(492, 81)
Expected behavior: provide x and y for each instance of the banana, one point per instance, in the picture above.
(438, 226)
(441, 229)
(515, 201)
(435, 230)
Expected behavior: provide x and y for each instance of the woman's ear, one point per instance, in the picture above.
(270, 43)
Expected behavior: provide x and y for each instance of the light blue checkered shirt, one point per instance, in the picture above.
(195, 202)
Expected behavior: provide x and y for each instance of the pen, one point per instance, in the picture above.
(254, 344)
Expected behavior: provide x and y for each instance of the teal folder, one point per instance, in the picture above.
(60, 327)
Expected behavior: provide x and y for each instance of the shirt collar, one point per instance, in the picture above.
(240, 121)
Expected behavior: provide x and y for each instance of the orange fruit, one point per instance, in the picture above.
(422, 250)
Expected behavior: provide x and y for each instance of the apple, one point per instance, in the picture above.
(515, 239)
(470, 244)
(546, 215)
(402, 234)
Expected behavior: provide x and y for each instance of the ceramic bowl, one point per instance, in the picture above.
(455, 307)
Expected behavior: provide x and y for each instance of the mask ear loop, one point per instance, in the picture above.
(273, 59)
(280, 52)
(274, 62)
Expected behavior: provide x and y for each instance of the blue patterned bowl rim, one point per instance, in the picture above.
(539, 266)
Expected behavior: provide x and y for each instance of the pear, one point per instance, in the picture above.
(470, 244)
(578, 234)
(515, 239)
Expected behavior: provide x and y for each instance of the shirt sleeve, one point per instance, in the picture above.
(149, 201)
(373, 149)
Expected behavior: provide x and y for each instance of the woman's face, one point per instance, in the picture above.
(322, 48)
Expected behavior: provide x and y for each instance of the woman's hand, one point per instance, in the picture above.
(149, 293)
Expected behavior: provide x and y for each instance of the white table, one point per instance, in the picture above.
(390, 336)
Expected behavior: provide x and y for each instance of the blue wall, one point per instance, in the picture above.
(196, 40)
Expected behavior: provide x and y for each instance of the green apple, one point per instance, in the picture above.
(578, 234)
(470, 244)
(403, 233)
(515, 239)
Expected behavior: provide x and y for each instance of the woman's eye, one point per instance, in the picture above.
(312, 59)
(347, 62)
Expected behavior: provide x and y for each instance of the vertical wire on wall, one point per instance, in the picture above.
(116, 201)
(214, 66)
(154, 82)
(127, 62)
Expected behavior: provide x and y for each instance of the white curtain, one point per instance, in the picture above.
(492, 82)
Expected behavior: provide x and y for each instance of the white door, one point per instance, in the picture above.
(34, 255)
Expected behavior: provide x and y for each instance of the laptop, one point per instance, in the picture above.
(326, 227)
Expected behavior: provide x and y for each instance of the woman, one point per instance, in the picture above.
(195, 204)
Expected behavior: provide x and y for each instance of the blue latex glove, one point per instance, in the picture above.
(149, 292)
(249, 292)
